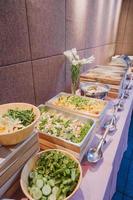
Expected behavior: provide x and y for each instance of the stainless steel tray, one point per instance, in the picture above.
(95, 94)
(86, 113)
(112, 68)
(72, 116)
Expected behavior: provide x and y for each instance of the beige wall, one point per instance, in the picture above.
(125, 33)
(34, 34)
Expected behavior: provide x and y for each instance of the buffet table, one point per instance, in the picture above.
(99, 180)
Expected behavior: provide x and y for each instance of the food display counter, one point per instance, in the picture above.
(99, 180)
(94, 130)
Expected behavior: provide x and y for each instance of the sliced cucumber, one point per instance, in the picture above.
(39, 183)
(36, 193)
(44, 179)
(55, 190)
(44, 198)
(31, 189)
(46, 190)
(66, 189)
(32, 174)
(39, 176)
(58, 193)
(52, 197)
(61, 197)
(51, 182)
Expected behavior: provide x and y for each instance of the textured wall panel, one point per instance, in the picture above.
(91, 23)
(127, 48)
(116, 18)
(49, 77)
(16, 83)
(125, 33)
(47, 27)
(123, 19)
(14, 43)
(128, 37)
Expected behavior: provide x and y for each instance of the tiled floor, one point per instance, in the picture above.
(124, 188)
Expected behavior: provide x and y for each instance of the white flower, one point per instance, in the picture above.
(69, 55)
(83, 61)
(75, 62)
(75, 54)
(74, 51)
(74, 59)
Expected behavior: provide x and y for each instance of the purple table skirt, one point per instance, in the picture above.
(99, 180)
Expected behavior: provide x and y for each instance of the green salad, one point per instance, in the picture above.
(80, 103)
(15, 119)
(25, 116)
(58, 125)
(54, 178)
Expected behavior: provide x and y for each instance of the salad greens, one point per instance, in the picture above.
(15, 119)
(25, 116)
(54, 178)
(58, 125)
(85, 104)
(78, 101)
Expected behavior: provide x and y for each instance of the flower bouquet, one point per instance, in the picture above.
(76, 64)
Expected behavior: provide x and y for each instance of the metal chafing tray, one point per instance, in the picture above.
(76, 147)
(110, 68)
(51, 103)
(84, 88)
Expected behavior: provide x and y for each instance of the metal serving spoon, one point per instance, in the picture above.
(120, 104)
(112, 122)
(130, 84)
(95, 154)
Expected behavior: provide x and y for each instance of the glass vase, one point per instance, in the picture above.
(75, 78)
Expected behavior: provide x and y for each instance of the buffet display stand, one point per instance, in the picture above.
(99, 180)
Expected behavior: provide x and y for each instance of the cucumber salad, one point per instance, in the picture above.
(54, 177)
(58, 125)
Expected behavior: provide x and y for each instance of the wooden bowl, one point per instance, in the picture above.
(30, 165)
(20, 135)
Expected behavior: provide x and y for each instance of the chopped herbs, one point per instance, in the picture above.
(54, 178)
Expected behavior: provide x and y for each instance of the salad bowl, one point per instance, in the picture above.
(17, 121)
(45, 186)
